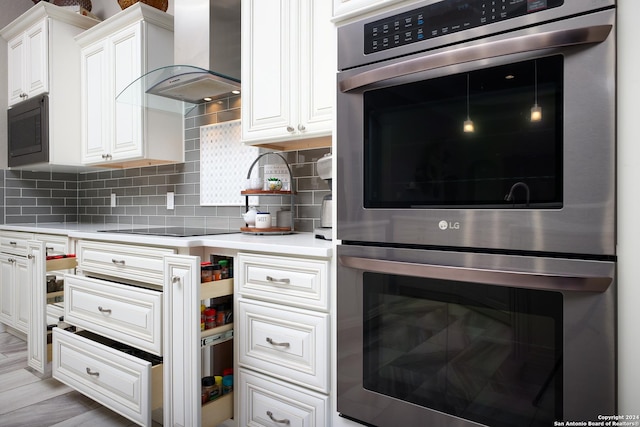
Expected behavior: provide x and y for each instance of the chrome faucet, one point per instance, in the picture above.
(509, 197)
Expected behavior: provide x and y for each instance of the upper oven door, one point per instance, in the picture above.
(506, 142)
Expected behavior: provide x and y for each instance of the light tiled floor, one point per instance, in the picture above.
(29, 400)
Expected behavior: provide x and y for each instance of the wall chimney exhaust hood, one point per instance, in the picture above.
(206, 54)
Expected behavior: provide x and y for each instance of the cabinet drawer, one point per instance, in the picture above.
(125, 262)
(124, 383)
(14, 242)
(285, 280)
(54, 244)
(124, 313)
(285, 342)
(269, 402)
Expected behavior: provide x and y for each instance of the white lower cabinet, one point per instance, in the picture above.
(283, 340)
(269, 402)
(115, 303)
(127, 384)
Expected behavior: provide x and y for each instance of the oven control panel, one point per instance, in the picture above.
(445, 17)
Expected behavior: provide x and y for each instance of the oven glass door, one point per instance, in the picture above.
(490, 137)
(483, 353)
(460, 339)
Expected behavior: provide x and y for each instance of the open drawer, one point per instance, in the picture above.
(103, 370)
(128, 314)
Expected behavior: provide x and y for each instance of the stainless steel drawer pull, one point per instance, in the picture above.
(279, 344)
(279, 281)
(93, 374)
(285, 421)
(104, 310)
(117, 262)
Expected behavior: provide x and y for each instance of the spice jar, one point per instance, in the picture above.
(202, 322)
(209, 387)
(224, 265)
(227, 384)
(206, 271)
(217, 272)
(210, 318)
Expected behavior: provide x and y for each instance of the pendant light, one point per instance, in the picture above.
(536, 111)
(467, 126)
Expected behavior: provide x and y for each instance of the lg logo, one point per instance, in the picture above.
(444, 225)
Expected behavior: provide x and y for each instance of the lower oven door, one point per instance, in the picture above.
(460, 339)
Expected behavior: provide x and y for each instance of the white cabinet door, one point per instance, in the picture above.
(7, 290)
(37, 48)
(22, 293)
(95, 103)
(317, 68)
(288, 64)
(182, 399)
(16, 66)
(28, 63)
(126, 66)
(14, 292)
(268, 67)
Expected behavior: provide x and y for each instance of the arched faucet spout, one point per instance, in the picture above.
(509, 197)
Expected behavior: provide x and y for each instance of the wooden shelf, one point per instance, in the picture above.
(266, 192)
(55, 294)
(217, 411)
(62, 263)
(215, 289)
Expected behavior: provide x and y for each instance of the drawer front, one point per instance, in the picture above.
(269, 402)
(126, 262)
(285, 280)
(124, 313)
(54, 244)
(14, 242)
(116, 380)
(288, 343)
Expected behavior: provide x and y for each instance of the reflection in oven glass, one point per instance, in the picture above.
(484, 353)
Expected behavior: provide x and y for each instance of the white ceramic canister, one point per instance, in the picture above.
(263, 220)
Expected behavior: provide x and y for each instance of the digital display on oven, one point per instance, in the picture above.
(445, 17)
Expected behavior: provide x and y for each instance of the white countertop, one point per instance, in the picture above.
(302, 244)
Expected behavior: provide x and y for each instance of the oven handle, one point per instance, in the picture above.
(522, 44)
(512, 279)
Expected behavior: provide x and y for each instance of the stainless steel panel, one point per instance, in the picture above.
(586, 222)
(589, 370)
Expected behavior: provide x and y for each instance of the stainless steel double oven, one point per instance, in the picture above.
(476, 214)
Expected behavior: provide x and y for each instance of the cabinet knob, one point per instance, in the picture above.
(175, 280)
(275, 420)
(117, 261)
(290, 129)
(23, 95)
(301, 127)
(93, 374)
(106, 156)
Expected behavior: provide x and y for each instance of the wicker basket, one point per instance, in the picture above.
(83, 3)
(158, 4)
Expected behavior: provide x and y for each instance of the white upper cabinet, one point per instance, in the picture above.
(28, 63)
(288, 72)
(347, 9)
(43, 57)
(114, 54)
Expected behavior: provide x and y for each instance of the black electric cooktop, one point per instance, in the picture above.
(171, 231)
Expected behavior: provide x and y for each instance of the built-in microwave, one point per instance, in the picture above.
(28, 132)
